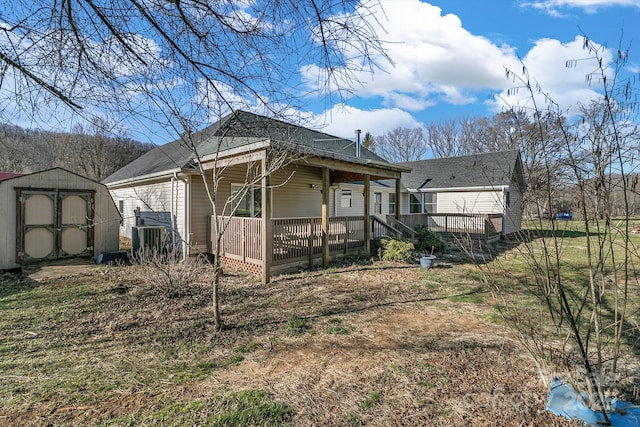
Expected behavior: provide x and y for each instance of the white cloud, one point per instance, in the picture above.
(436, 59)
(406, 102)
(555, 7)
(343, 120)
(546, 64)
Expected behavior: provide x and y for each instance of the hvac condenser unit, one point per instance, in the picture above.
(147, 238)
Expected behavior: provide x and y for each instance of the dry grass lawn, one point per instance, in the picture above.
(358, 344)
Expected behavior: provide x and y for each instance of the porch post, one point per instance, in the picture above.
(266, 224)
(397, 215)
(367, 214)
(325, 217)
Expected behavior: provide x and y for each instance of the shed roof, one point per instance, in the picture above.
(8, 175)
(492, 169)
(236, 130)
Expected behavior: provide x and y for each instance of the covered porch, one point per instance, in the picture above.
(264, 244)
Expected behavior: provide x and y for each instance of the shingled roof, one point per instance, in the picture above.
(235, 131)
(493, 169)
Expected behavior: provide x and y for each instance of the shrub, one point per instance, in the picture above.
(397, 250)
(428, 241)
(166, 273)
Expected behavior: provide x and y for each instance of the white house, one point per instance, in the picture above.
(486, 183)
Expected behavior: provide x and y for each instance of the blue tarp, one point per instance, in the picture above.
(564, 400)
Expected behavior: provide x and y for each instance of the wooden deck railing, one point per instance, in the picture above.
(300, 238)
(297, 238)
(483, 226)
(241, 239)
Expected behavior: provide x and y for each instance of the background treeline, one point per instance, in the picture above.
(91, 152)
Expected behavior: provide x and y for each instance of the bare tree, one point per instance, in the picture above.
(587, 305)
(369, 142)
(402, 144)
(125, 58)
(176, 66)
(91, 152)
(452, 137)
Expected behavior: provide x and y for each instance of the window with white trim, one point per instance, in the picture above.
(392, 203)
(415, 203)
(345, 198)
(430, 202)
(377, 203)
(423, 203)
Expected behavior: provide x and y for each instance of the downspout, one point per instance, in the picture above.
(174, 177)
(186, 236)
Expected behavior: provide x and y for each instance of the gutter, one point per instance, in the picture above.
(149, 177)
(457, 189)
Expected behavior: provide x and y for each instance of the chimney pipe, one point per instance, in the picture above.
(358, 131)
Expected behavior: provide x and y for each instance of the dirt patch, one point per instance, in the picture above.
(51, 270)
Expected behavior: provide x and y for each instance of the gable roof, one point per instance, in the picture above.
(493, 169)
(236, 130)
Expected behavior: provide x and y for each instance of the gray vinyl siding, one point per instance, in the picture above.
(200, 213)
(293, 195)
(106, 217)
(357, 200)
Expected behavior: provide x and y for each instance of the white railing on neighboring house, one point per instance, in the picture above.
(478, 226)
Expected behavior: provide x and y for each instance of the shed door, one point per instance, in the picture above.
(55, 225)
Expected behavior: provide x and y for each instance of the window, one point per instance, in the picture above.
(121, 206)
(415, 203)
(507, 199)
(377, 203)
(345, 198)
(430, 205)
(246, 201)
(392, 203)
(423, 203)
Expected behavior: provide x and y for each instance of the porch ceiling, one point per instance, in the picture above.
(348, 172)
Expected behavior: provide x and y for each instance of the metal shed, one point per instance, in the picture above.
(54, 214)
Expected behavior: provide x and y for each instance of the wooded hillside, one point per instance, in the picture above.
(94, 155)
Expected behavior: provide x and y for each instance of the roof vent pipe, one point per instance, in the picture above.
(358, 131)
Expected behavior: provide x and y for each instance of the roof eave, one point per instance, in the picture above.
(148, 177)
(259, 145)
(453, 189)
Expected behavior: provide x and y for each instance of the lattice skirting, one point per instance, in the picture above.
(240, 265)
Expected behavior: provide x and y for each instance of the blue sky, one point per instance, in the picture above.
(450, 57)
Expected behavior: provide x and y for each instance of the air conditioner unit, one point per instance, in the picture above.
(151, 237)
